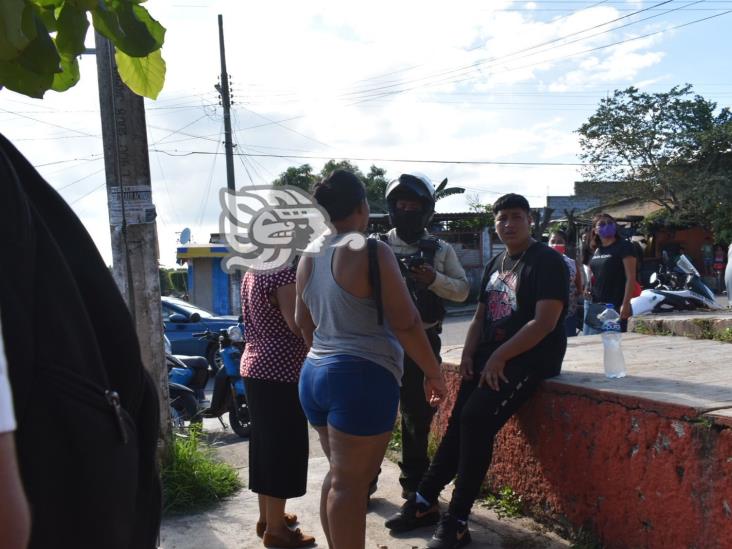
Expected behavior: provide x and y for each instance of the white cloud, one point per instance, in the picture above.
(442, 82)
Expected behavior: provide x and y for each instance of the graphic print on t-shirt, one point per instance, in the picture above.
(500, 301)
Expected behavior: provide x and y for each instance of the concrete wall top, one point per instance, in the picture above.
(674, 377)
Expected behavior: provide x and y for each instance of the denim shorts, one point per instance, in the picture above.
(351, 394)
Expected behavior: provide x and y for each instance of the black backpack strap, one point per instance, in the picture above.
(375, 278)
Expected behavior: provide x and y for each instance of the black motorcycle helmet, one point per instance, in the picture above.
(410, 225)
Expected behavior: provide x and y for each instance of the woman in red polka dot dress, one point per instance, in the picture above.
(270, 366)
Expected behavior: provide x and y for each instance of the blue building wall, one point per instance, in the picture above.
(221, 302)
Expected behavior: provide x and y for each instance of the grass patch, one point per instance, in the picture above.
(506, 503)
(724, 336)
(394, 448)
(651, 328)
(706, 328)
(193, 477)
(395, 442)
(703, 422)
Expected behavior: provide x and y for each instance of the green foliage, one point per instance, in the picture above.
(33, 62)
(300, 176)
(173, 281)
(145, 75)
(193, 477)
(506, 503)
(443, 191)
(673, 149)
(165, 283)
(395, 442)
(304, 178)
(376, 182)
(724, 336)
(651, 328)
(706, 328)
(483, 217)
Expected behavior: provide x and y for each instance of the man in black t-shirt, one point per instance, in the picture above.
(515, 340)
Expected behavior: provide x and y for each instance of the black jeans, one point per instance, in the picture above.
(467, 447)
(416, 420)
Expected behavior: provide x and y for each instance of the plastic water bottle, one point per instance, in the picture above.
(613, 357)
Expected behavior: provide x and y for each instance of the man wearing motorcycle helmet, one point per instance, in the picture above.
(433, 272)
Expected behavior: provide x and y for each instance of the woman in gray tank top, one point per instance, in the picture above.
(349, 384)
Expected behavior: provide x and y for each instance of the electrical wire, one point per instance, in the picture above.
(210, 181)
(82, 197)
(78, 180)
(590, 50)
(361, 159)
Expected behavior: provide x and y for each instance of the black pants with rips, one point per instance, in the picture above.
(467, 447)
(416, 414)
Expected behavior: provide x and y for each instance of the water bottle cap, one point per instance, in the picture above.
(609, 306)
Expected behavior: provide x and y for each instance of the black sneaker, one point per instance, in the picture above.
(450, 534)
(413, 515)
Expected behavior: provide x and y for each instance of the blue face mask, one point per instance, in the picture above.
(607, 231)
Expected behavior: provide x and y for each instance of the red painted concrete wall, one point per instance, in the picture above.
(636, 478)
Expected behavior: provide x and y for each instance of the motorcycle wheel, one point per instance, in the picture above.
(239, 418)
(186, 406)
(214, 359)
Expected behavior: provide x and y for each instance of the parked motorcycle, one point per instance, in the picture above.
(229, 394)
(184, 405)
(186, 380)
(676, 286)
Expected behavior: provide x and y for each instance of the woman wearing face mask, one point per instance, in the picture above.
(613, 268)
(558, 241)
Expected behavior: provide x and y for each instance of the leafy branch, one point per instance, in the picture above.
(41, 41)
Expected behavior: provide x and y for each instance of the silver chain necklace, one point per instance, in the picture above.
(515, 265)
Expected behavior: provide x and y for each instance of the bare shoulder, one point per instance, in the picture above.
(304, 268)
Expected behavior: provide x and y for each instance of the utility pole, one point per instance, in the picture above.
(132, 220)
(223, 89)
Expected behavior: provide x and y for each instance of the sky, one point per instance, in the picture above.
(489, 93)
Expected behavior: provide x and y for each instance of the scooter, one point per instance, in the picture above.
(676, 286)
(185, 386)
(229, 394)
(184, 405)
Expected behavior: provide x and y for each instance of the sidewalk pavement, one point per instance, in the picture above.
(231, 524)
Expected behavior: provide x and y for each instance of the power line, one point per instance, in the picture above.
(279, 123)
(82, 197)
(497, 59)
(412, 67)
(210, 181)
(404, 160)
(174, 132)
(456, 81)
(90, 158)
(78, 180)
(50, 123)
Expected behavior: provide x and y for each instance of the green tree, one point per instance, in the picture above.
(333, 165)
(300, 176)
(376, 182)
(41, 40)
(651, 146)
